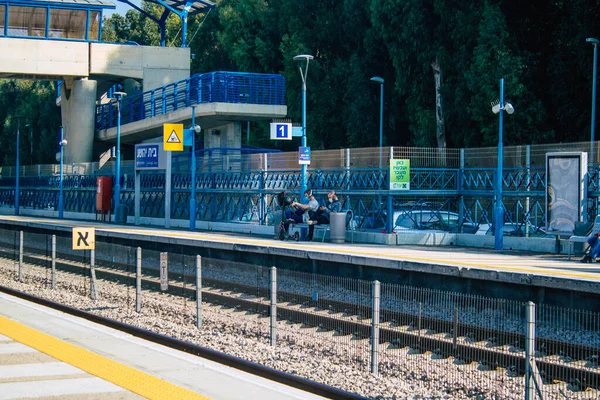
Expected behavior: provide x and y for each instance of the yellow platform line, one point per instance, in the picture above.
(558, 271)
(121, 375)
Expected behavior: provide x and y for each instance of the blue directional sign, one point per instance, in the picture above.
(149, 156)
(281, 131)
(304, 155)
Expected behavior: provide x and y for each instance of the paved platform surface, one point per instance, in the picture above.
(48, 354)
(549, 270)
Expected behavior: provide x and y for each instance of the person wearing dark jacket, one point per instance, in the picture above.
(321, 216)
(594, 252)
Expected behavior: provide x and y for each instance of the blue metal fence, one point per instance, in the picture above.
(212, 87)
(250, 196)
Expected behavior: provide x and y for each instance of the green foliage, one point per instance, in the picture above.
(33, 103)
(538, 48)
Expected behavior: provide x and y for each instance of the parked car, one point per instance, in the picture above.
(513, 229)
(414, 220)
(431, 220)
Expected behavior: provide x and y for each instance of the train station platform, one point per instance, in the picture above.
(45, 353)
(520, 268)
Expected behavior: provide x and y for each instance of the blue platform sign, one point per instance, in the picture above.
(281, 131)
(149, 156)
(304, 155)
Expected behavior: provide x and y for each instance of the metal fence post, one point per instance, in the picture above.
(53, 273)
(273, 306)
(262, 198)
(528, 184)
(533, 382)
(376, 293)
(198, 291)
(92, 275)
(20, 256)
(138, 280)
(459, 188)
(529, 350)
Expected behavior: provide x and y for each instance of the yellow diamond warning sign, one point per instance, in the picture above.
(173, 137)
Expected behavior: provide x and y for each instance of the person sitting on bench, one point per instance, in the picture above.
(322, 214)
(594, 250)
(300, 212)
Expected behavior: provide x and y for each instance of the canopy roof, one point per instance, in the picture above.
(195, 7)
(80, 3)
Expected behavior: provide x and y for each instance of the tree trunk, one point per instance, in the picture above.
(439, 115)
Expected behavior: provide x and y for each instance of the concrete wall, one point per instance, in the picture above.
(228, 135)
(28, 58)
(156, 66)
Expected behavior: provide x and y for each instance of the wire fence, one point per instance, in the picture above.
(223, 160)
(437, 341)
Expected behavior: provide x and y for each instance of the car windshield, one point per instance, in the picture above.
(417, 219)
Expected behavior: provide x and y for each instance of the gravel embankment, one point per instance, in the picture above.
(321, 356)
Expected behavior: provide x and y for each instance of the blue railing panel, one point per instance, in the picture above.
(249, 196)
(223, 87)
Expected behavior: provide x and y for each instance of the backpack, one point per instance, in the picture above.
(283, 199)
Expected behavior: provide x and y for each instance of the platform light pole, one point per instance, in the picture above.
(303, 75)
(594, 42)
(30, 143)
(17, 189)
(62, 143)
(195, 129)
(117, 191)
(499, 211)
(380, 81)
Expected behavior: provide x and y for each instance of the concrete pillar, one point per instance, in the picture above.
(78, 109)
(224, 136)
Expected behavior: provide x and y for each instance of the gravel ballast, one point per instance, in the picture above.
(322, 356)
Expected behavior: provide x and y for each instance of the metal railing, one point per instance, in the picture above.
(212, 87)
(233, 186)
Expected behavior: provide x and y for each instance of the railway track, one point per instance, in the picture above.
(426, 334)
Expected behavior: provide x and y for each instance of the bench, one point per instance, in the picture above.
(583, 239)
(327, 227)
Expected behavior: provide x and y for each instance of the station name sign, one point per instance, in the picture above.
(150, 156)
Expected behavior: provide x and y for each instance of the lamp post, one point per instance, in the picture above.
(30, 143)
(499, 211)
(17, 173)
(62, 143)
(594, 42)
(380, 81)
(195, 129)
(303, 75)
(117, 191)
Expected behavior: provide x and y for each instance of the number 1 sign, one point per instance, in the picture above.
(281, 131)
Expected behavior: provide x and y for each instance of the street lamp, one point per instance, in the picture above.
(594, 42)
(62, 143)
(497, 108)
(303, 75)
(117, 192)
(195, 129)
(30, 143)
(17, 174)
(380, 81)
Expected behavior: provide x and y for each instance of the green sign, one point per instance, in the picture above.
(399, 174)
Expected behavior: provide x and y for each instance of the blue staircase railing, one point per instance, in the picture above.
(212, 87)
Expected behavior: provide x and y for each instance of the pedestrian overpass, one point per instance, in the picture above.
(62, 40)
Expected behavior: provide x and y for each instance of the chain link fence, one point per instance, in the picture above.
(446, 342)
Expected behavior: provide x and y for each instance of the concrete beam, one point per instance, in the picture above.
(208, 115)
(53, 59)
(156, 66)
(26, 58)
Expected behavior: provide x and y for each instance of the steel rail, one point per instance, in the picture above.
(204, 352)
(488, 355)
